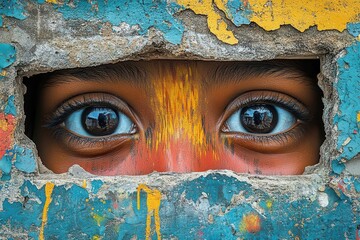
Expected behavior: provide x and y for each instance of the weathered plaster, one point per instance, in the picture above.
(215, 205)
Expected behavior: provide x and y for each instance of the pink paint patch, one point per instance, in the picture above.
(7, 127)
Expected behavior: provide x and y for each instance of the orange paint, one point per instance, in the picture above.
(179, 135)
(250, 223)
(7, 127)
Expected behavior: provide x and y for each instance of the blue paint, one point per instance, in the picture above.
(7, 55)
(357, 185)
(348, 88)
(96, 185)
(144, 13)
(238, 12)
(10, 107)
(5, 162)
(337, 166)
(12, 8)
(25, 159)
(72, 212)
(354, 29)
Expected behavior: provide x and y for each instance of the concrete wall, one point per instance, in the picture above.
(41, 36)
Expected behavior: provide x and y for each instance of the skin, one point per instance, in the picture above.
(180, 110)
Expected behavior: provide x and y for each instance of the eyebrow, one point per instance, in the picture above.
(304, 71)
(124, 72)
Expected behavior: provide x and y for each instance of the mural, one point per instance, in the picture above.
(44, 36)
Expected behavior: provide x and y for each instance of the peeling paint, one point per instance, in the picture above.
(12, 8)
(302, 14)
(348, 88)
(7, 57)
(25, 159)
(145, 14)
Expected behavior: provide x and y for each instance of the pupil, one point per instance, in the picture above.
(100, 121)
(261, 118)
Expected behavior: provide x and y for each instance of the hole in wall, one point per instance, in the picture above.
(133, 118)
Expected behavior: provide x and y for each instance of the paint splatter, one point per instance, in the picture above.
(250, 223)
(99, 219)
(153, 206)
(48, 191)
(7, 127)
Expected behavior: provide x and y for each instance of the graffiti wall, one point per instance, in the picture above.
(188, 182)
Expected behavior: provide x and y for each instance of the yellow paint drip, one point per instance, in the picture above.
(216, 24)
(302, 14)
(358, 117)
(84, 184)
(48, 191)
(153, 207)
(177, 104)
(52, 1)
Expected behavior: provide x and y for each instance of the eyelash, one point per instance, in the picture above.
(300, 112)
(55, 119)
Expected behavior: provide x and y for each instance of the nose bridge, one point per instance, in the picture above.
(179, 157)
(179, 133)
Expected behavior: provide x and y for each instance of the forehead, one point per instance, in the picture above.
(212, 72)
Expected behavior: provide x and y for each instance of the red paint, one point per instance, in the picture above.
(7, 127)
(252, 223)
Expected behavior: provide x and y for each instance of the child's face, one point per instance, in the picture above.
(179, 116)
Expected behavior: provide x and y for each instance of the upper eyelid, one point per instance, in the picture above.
(301, 112)
(77, 102)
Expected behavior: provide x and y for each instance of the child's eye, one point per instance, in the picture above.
(262, 118)
(98, 121)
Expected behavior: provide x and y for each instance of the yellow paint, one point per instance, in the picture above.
(153, 207)
(4, 125)
(216, 24)
(358, 117)
(52, 1)
(98, 218)
(48, 191)
(302, 14)
(96, 237)
(177, 103)
(84, 184)
(269, 204)
(3, 73)
(270, 15)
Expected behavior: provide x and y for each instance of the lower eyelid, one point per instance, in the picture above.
(91, 146)
(268, 143)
